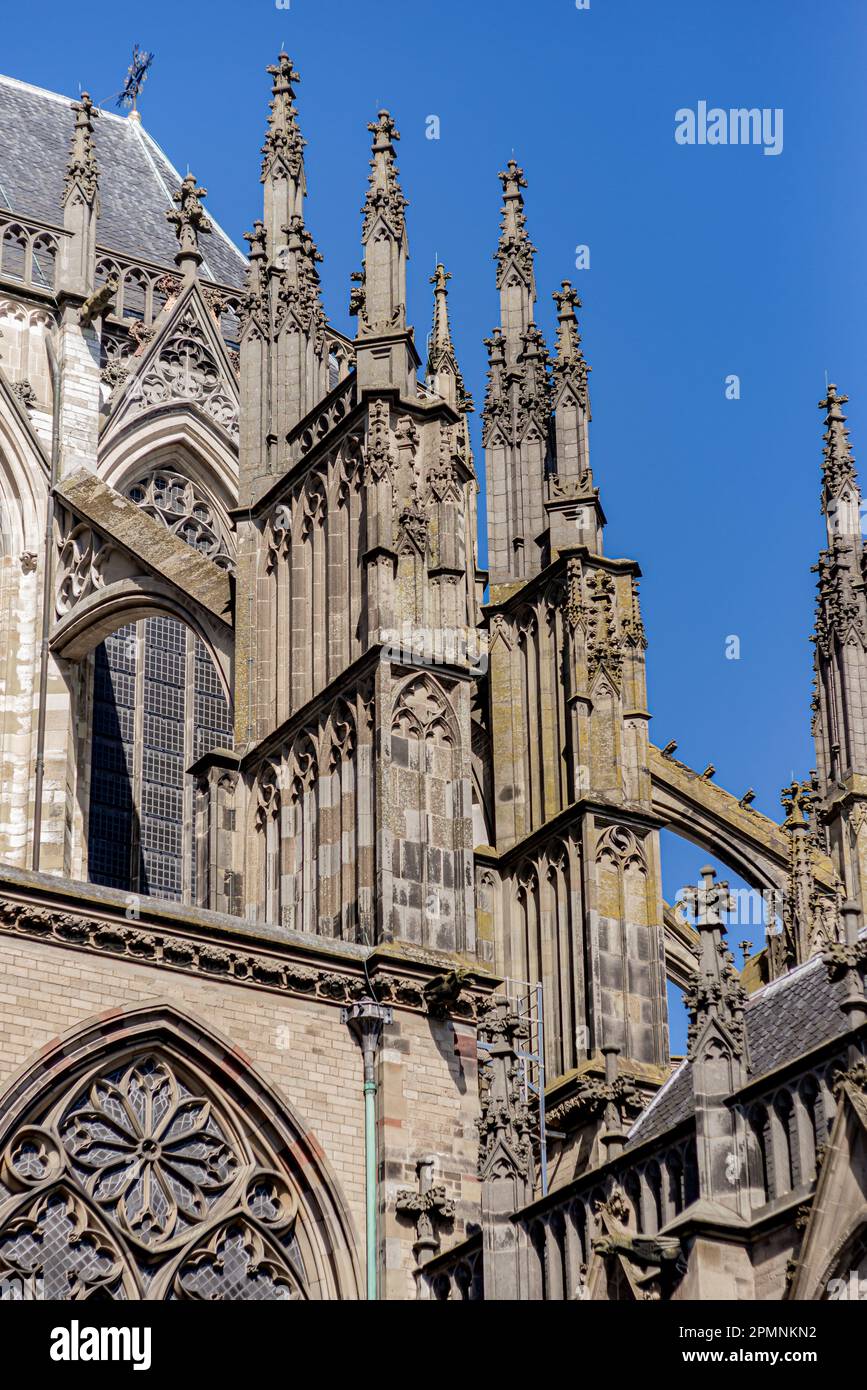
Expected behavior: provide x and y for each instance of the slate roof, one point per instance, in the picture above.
(784, 1020)
(136, 180)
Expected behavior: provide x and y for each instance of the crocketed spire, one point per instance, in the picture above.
(442, 371)
(283, 157)
(514, 256)
(82, 172)
(76, 271)
(384, 195)
(569, 367)
(379, 301)
(838, 466)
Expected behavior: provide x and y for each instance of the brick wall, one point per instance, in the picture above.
(428, 1097)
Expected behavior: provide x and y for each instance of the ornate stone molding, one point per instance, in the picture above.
(218, 959)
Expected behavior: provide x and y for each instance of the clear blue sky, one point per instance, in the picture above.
(705, 261)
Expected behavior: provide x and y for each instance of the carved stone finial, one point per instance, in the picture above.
(430, 1206)
(515, 251)
(189, 221)
(569, 367)
(838, 465)
(440, 333)
(384, 194)
(284, 146)
(716, 991)
(796, 800)
(442, 372)
(82, 172)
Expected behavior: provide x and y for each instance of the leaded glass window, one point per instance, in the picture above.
(158, 705)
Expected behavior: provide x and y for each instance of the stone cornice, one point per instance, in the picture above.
(505, 597)
(572, 815)
(105, 922)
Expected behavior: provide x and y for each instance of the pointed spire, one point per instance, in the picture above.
(283, 156)
(514, 256)
(441, 337)
(76, 266)
(841, 497)
(570, 368)
(716, 991)
(189, 221)
(384, 194)
(442, 371)
(497, 411)
(569, 475)
(381, 303)
(81, 167)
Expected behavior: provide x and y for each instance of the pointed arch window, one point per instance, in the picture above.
(158, 706)
(140, 1177)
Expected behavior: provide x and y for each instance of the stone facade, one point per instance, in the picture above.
(323, 852)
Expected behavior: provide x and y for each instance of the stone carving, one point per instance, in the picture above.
(621, 846)
(268, 795)
(534, 396)
(284, 147)
(514, 251)
(421, 711)
(379, 458)
(384, 196)
(83, 556)
(497, 410)
(430, 1206)
(716, 991)
(444, 991)
(505, 1123)
(184, 510)
(569, 369)
(25, 393)
(591, 1098)
(50, 1251)
(188, 219)
(119, 1188)
(148, 1150)
(185, 369)
(82, 172)
(604, 642)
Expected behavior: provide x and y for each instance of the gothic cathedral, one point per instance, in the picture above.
(334, 945)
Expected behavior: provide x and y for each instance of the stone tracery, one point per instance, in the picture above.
(140, 1182)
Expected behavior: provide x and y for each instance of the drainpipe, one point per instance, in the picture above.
(47, 586)
(365, 1020)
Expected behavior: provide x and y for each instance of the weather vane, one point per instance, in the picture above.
(135, 78)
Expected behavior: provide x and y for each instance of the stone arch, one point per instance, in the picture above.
(173, 437)
(425, 724)
(265, 1210)
(103, 611)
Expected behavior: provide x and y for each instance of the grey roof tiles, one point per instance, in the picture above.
(136, 180)
(784, 1020)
